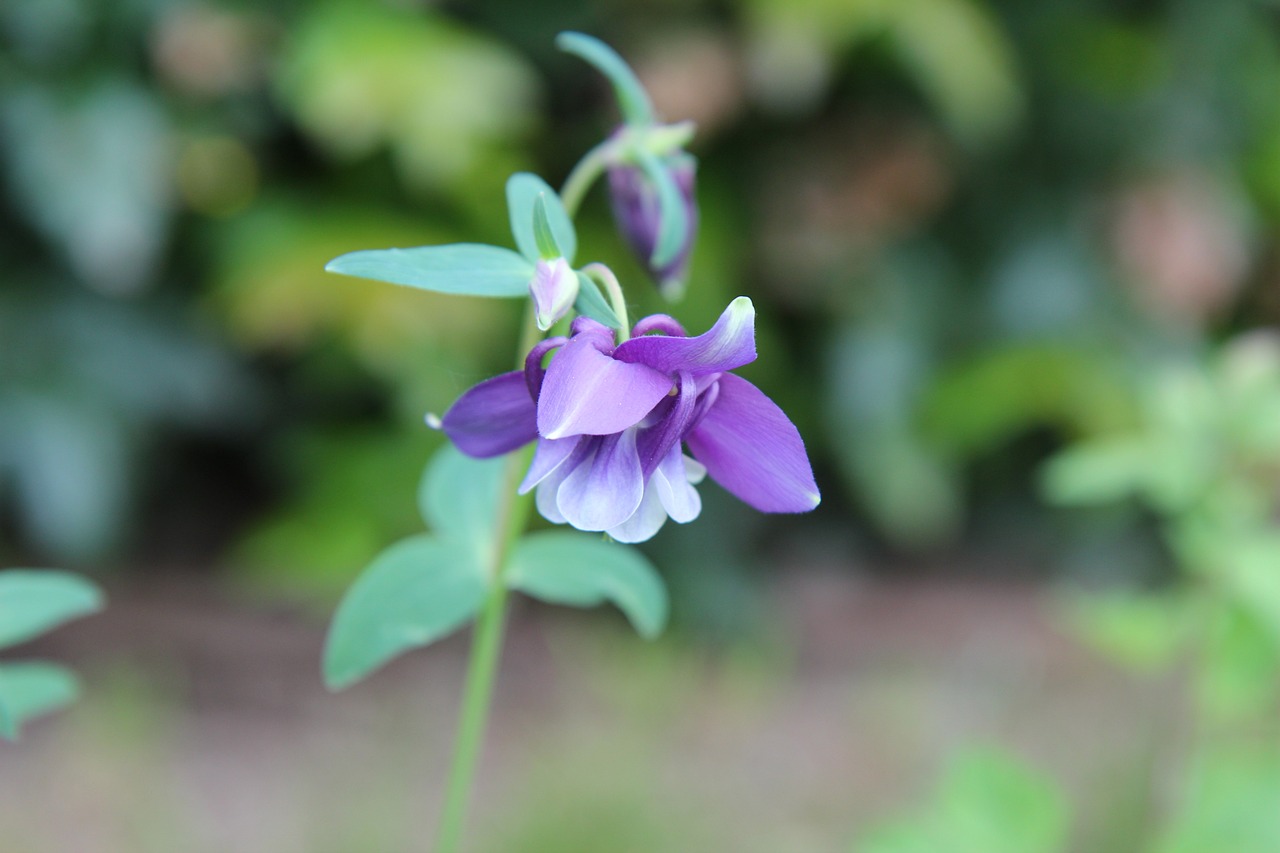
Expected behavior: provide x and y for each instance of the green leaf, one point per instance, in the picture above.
(582, 571)
(412, 594)
(1097, 472)
(673, 222)
(542, 235)
(591, 303)
(1143, 632)
(30, 690)
(33, 602)
(458, 497)
(466, 269)
(523, 191)
(633, 100)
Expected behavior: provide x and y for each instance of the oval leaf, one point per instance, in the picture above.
(633, 100)
(673, 220)
(34, 601)
(591, 303)
(583, 571)
(458, 498)
(29, 690)
(523, 191)
(412, 594)
(466, 269)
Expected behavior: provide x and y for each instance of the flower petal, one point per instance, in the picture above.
(646, 521)
(671, 483)
(492, 418)
(752, 449)
(655, 442)
(548, 456)
(606, 488)
(730, 343)
(586, 392)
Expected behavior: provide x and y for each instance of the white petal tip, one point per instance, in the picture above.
(433, 421)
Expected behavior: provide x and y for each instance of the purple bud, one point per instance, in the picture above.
(554, 289)
(638, 215)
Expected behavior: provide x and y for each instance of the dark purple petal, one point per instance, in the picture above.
(730, 343)
(586, 392)
(663, 323)
(752, 449)
(533, 371)
(638, 214)
(492, 418)
(655, 442)
(606, 489)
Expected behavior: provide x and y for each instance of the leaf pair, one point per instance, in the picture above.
(427, 586)
(32, 603)
(541, 228)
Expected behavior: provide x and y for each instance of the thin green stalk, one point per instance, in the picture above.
(590, 167)
(486, 643)
(609, 281)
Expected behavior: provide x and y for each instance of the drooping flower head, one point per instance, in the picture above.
(637, 210)
(611, 421)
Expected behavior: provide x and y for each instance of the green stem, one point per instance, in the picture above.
(486, 643)
(590, 167)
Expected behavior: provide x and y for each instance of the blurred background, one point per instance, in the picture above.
(1017, 268)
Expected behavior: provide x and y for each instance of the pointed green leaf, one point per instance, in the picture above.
(591, 303)
(523, 190)
(30, 690)
(458, 499)
(35, 601)
(583, 571)
(412, 594)
(542, 235)
(633, 100)
(674, 219)
(466, 269)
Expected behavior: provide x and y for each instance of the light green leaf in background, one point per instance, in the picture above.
(987, 802)
(466, 269)
(34, 601)
(412, 594)
(458, 497)
(523, 191)
(633, 100)
(1098, 472)
(591, 303)
(583, 571)
(29, 690)
(1140, 631)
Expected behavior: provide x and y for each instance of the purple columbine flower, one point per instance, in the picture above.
(554, 289)
(610, 422)
(638, 215)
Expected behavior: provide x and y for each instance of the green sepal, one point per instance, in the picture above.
(548, 249)
(591, 303)
(34, 601)
(633, 100)
(463, 269)
(583, 571)
(417, 591)
(673, 222)
(31, 689)
(523, 192)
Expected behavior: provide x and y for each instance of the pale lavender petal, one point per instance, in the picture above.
(644, 522)
(554, 288)
(606, 488)
(492, 418)
(548, 456)
(752, 449)
(585, 392)
(671, 483)
(730, 343)
(545, 497)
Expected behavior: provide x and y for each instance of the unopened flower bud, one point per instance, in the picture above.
(554, 289)
(638, 214)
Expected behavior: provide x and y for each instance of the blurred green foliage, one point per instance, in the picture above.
(972, 229)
